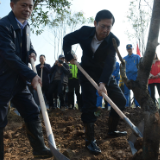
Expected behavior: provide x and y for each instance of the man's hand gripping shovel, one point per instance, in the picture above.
(119, 112)
(49, 132)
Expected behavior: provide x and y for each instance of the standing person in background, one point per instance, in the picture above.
(154, 78)
(59, 77)
(132, 61)
(116, 72)
(15, 52)
(46, 68)
(74, 84)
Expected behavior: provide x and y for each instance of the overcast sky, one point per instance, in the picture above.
(90, 8)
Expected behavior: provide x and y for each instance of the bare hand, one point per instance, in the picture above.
(101, 89)
(55, 62)
(33, 56)
(59, 64)
(41, 66)
(35, 81)
(113, 76)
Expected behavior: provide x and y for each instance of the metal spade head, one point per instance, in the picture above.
(132, 138)
(56, 153)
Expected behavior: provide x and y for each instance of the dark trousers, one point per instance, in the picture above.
(89, 100)
(152, 89)
(55, 87)
(74, 84)
(22, 100)
(45, 89)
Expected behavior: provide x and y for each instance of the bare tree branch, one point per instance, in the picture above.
(148, 5)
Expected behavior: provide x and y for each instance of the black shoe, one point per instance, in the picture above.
(112, 124)
(90, 141)
(1, 145)
(117, 133)
(35, 136)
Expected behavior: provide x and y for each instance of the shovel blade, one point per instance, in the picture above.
(132, 138)
(56, 153)
(133, 150)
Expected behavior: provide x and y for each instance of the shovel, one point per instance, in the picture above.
(49, 132)
(119, 112)
(132, 138)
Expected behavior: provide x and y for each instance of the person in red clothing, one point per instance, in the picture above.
(154, 77)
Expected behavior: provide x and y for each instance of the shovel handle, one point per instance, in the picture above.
(44, 111)
(113, 105)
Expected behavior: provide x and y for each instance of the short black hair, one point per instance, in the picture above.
(14, 1)
(104, 14)
(42, 55)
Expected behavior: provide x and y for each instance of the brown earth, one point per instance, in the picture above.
(69, 135)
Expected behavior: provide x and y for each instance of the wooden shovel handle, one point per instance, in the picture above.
(43, 108)
(113, 105)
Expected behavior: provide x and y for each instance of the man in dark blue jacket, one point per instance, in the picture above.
(44, 69)
(98, 59)
(15, 50)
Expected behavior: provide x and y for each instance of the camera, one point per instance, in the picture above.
(60, 61)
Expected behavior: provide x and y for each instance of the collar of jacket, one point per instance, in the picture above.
(94, 32)
(15, 24)
(131, 55)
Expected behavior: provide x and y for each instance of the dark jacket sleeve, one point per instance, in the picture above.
(32, 49)
(53, 68)
(69, 40)
(8, 54)
(109, 65)
(38, 69)
(65, 69)
(47, 68)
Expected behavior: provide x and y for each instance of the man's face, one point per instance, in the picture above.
(103, 28)
(130, 51)
(22, 9)
(62, 59)
(42, 59)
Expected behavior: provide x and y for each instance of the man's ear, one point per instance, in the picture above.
(12, 5)
(95, 23)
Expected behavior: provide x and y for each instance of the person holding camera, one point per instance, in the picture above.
(59, 77)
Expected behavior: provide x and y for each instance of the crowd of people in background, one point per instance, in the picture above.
(61, 82)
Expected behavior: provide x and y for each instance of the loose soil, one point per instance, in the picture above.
(69, 135)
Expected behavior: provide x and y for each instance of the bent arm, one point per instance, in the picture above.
(8, 54)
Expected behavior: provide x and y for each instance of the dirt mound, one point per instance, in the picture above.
(69, 135)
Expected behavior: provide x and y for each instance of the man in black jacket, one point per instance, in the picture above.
(44, 69)
(15, 50)
(98, 59)
(59, 77)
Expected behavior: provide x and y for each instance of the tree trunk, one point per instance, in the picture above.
(140, 89)
(151, 115)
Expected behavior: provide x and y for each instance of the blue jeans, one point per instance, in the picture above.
(127, 95)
